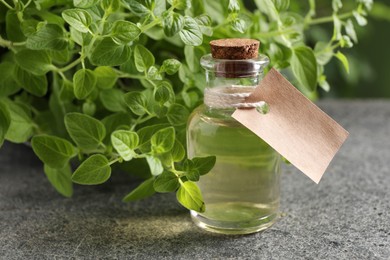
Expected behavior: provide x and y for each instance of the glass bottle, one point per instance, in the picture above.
(241, 192)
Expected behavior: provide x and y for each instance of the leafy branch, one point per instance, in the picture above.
(107, 82)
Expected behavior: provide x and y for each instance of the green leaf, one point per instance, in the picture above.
(84, 3)
(107, 53)
(143, 58)
(89, 108)
(87, 132)
(180, 4)
(124, 32)
(21, 127)
(323, 52)
(113, 100)
(36, 62)
(60, 179)
(171, 66)
(336, 5)
(84, 82)
(281, 5)
(94, 170)
(204, 22)
(178, 114)
(163, 140)
(111, 5)
(304, 67)
(78, 19)
(166, 182)
(36, 85)
(191, 33)
(350, 30)
(106, 77)
(154, 74)
(146, 133)
(343, 60)
(204, 164)
(164, 93)
(345, 42)
(336, 27)
(268, 7)
(234, 6)
(172, 23)
(144, 190)
(116, 121)
(239, 25)
(124, 143)
(136, 8)
(48, 37)
(13, 27)
(136, 101)
(8, 83)
(155, 165)
(52, 150)
(5, 121)
(178, 152)
(190, 197)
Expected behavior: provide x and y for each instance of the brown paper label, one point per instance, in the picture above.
(295, 127)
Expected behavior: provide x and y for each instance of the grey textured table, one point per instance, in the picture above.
(346, 216)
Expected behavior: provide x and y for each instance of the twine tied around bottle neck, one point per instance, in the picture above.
(233, 97)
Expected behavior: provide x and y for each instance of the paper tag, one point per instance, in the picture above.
(295, 127)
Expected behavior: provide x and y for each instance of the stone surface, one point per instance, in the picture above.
(346, 216)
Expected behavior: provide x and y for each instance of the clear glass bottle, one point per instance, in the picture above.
(241, 192)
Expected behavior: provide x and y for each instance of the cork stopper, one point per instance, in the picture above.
(234, 49)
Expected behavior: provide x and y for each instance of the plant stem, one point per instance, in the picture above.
(70, 65)
(128, 75)
(6, 4)
(9, 44)
(114, 161)
(140, 120)
(328, 19)
(150, 25)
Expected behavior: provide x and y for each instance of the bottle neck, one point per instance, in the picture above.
(229, 82)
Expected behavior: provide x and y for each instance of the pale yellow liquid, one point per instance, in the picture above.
(241, 192)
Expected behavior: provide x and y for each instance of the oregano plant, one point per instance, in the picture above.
(96, 83)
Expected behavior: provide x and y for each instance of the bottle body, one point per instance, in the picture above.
(241, 192)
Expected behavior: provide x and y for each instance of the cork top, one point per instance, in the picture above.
(234, 49)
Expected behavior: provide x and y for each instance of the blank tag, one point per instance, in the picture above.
(295, 127)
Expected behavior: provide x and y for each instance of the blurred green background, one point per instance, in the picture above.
(369, 59)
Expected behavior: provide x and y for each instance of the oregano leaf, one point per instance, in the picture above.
(124, 143)
(143, 58)
(191, 33)
(84, 82)
(36, 62)
(5, 122)
(48, 37)
(163, 140)
(108, 53)
(166, 182)
(124, 32)
(343, 60)
(190, 197)
(155, 165)
(304, 67)
(60, 179)
(34, 84)
(94, 170)
(144, 190)
(86, 131)
(78, 18)
(54, 151)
